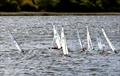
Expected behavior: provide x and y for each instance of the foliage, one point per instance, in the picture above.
(61, 5)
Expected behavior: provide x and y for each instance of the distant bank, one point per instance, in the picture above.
(55, 13)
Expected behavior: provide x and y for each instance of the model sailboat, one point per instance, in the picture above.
(89, 42)
(79, 39)
(15, 42)
(63, 42)
(100, 44)
(56, 38)
(108, 41)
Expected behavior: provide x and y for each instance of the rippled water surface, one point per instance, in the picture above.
(35, 36)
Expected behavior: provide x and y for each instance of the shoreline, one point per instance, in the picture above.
(57, 13)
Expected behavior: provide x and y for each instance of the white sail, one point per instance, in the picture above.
(56, 38)
(79, 39)
(15, 42)
(110, 44)
(100, 45)
(89, 42)
(64, 43)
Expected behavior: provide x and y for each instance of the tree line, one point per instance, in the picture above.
(60, 5)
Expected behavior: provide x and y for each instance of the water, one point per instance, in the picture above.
(34, 35)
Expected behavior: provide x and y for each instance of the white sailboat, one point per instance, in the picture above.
(63, 42)
(79, 39)
(15, 42)
(100, 44)
(108, 41)
(56, 38)
(89, 42)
